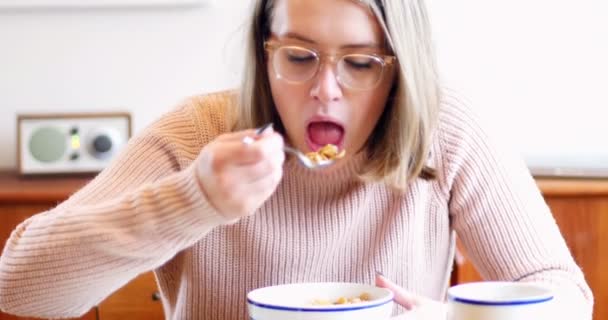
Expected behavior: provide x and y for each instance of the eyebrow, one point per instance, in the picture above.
(297, 36)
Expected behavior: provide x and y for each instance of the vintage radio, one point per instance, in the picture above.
(69, 143)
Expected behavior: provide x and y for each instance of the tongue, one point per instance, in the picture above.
(323, 133)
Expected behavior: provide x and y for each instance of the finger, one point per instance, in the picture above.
(236, 153)
(271, 164)
(254, 194)
(237, 135)
(268, 146)
(250, 135)
(251, 173)
(259, 134)
(403, 297)
(268, 183)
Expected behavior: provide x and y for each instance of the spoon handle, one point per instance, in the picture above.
(291, 150)
(249, 140)
(261, 129)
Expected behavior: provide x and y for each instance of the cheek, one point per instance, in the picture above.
(377, 99)
(380, 97)
(287, 97)
(286, 103)
(277, 92)
(369, 111)
(370, 114)
(279, 95)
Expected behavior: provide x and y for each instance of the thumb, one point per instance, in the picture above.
(403, 297)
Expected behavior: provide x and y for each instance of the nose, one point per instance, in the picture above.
(326, 87)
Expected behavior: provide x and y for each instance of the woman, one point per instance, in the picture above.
(215, 217)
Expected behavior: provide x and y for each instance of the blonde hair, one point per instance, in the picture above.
(400, 144)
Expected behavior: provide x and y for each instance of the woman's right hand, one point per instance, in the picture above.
(238, 178)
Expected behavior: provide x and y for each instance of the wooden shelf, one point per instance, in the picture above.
(17, 189)
(14, 188)
(556, 187)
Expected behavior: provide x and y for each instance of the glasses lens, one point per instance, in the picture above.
(360, 71)
(295, 64)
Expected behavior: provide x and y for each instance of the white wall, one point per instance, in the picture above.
(535, 70)
(140, 60)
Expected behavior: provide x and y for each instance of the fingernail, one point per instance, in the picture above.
(248, 140)
(378, 273)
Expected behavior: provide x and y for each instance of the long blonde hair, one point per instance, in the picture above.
(400, 144)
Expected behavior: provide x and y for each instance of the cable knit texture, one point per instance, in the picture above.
(146, 212)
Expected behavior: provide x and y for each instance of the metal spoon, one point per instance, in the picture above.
(305, 161)
(302, 158)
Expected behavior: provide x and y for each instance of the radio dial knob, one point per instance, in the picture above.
(102, 143)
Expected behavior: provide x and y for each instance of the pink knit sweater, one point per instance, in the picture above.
(146, 212)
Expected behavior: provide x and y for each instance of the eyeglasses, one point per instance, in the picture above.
(357, 71)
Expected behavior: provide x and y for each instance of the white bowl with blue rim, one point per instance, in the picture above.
(498, 300)
(299, 301)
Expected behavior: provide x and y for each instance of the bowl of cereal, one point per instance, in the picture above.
(320, 301)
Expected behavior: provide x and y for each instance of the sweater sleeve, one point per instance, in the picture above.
(133, 217)
(500, 216)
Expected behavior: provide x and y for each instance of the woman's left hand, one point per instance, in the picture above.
(418, 307)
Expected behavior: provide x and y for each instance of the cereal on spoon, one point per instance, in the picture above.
(326, 153)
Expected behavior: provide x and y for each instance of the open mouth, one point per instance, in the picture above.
(321, 133)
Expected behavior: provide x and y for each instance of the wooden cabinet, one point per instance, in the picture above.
(137, 300)
(21, 198)
(580, 208)
(91, 315)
